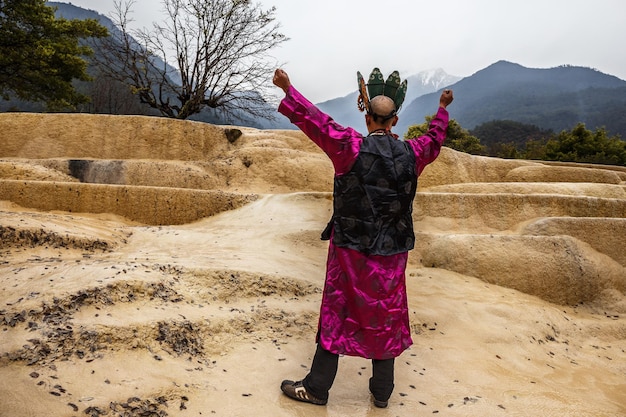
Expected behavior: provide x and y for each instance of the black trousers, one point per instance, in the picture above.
(324, 369)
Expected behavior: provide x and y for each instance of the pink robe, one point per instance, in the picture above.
(364, 310)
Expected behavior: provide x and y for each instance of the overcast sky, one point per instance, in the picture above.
(330, 40)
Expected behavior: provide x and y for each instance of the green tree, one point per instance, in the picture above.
(206, 53)
(535, 149)
(506, 150)
(583, 145)
(508, 138)
(40, 55)
(457, 138)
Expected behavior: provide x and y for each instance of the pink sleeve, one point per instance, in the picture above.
(341, 144)
(427, 147)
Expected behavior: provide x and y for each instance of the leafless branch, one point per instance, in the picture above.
(206, 53)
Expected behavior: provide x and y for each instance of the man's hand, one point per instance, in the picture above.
(446, 98)
(281, 80)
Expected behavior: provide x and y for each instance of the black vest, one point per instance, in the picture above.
(373, 202)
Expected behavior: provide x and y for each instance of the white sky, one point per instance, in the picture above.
(330, 40)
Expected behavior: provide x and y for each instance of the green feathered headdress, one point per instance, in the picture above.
(376, 86)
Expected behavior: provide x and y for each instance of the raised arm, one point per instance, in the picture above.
(428, 146)
(281, 80)
(341, 144)
(446, 98)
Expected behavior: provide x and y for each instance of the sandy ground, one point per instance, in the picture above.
(163, 268)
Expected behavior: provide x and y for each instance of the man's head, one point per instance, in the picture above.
(381, 99)
(381, 114)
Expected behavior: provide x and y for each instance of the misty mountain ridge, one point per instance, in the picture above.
(551, 98)
(428, 81)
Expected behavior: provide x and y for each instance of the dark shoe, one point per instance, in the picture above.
(379, 403)
(297, 391)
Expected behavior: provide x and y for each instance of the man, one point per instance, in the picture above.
(364, 310)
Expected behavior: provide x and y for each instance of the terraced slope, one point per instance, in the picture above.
(152, 267)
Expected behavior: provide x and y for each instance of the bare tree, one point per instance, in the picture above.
(110, 96)
(206, 53)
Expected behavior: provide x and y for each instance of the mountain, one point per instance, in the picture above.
(555, 98)
(344, 109)
(428, 81)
